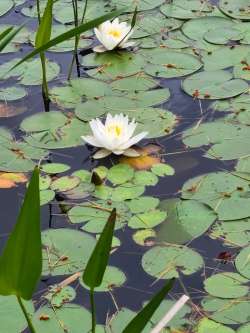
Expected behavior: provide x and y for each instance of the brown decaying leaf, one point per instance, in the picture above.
(149, 155)
(9, 179)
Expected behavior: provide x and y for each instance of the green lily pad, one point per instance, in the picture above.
(198, 28)
(113, 278)
(46, 196)
(69, 317)
(206, 325)
(57, 297)
(54, 168)
(5, 6)
(112, 65)
(141, 236)
(65, 183)
(29, 73)
(43, 122)
(224, 57)
(127, 191)
(225, 36)
(165, 262)
(147, 220)
(232, 233)
(226, 285)
(186, 9)
(12, 93)
(186, 220)
(223, 192)
(229, 312)
(61, 255)
(236, 9)
(13, 320)
(213, 85)
(242, 262)
(142, 5)
(163, 169)
(146, 178)
(96, 215)
(120, 173)
(143, 204)
(169, 64)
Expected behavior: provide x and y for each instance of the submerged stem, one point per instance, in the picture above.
(26, 315)
(92, 303)
(77, 38)
(45, 88)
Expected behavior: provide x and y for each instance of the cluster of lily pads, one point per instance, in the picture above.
(205, 45)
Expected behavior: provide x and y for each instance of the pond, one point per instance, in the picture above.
(183, 205)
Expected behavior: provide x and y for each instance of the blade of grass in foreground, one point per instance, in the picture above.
(96, 266)
(143, 317)
(69, 34)
(7, 35)
(21, 261)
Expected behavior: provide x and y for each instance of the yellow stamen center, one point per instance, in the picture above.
(115, 33)
(115, 129)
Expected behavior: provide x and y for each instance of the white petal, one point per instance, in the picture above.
(131, 153)
(127, 44)
(99, 49)
(134, 140)
(118, 152)
(101, 153)
(91, 140)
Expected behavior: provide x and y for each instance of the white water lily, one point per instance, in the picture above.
(113, 34)
(115, 136)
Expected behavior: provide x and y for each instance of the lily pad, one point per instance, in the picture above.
(237, 10)
(165, 262)
(54, 168)
(113, 278)
(12, 93)
(61, 256)
(229, 312)
(120, 173)
(226, 285)
(206, 325)
(223, 192)
(69, 317)
(186, 220)
(13, 320)
(5, 6)
(169, 64)
(147, 220)
(232, 233)
(242, 262)
(214, 85)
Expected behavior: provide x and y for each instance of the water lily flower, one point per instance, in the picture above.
(115, 136)
(112, 35)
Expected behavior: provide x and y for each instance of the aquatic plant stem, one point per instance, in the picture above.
(77, 38)
(92, 303)
(26, 315)
(45, 89)
(38, 10)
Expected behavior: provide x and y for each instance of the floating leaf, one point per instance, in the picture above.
(60, 256)
(226, 285)
(186, 220)
(237, 10)
(113, 278)
(242, 262)
(72, 316)
(206, 325)
(213, 85)
(54, 168)
(120, 173)
(165, 262)
(147, 220)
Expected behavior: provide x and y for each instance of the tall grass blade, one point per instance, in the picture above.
(7, 35)
(69, 34)
(44, 30)
(98, 261)
(143, 317)
(21, 261)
